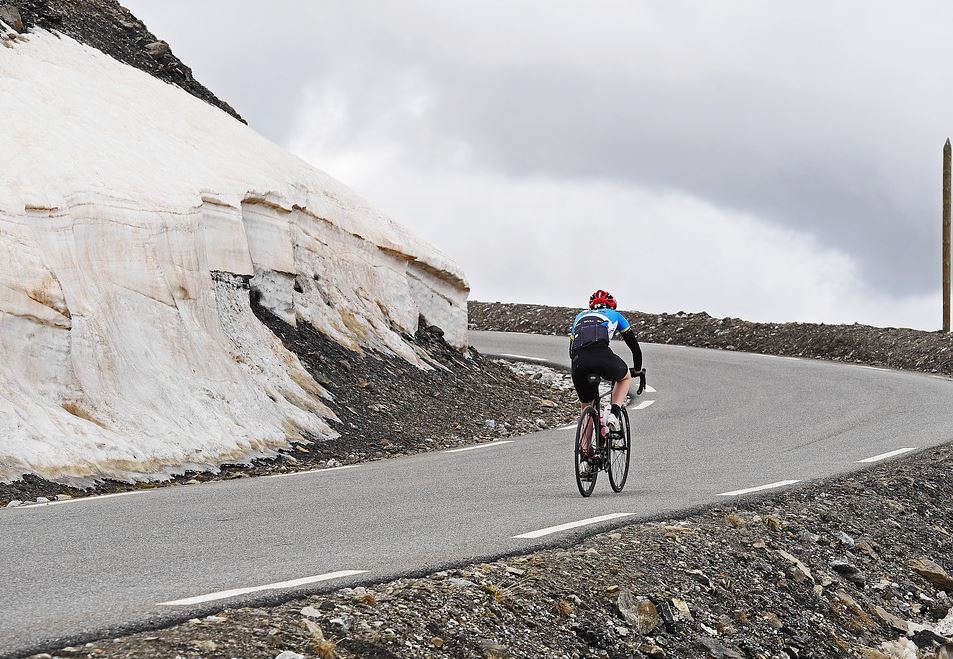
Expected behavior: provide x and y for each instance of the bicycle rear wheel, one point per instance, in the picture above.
(588, 424)
(619, 457)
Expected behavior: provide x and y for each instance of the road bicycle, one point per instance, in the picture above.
(600, 449)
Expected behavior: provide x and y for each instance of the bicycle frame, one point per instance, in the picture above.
(596, 447)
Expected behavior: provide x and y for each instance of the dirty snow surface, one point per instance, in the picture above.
(135, 220)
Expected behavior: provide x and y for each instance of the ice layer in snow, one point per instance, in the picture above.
(133, 217)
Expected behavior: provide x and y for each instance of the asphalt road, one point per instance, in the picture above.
(719, 422)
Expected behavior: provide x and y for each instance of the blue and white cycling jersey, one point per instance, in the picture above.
(596, 327)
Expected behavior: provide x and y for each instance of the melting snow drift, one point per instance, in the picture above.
(133, 219)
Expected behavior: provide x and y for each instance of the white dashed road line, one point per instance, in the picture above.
(311, 471)
(889, 454)
(532, 359)
(643, 404)
(98, 497)
(471, 448)
(294, 583)
(748, 490)
(571, 525)
(649, 389)
(770, 356)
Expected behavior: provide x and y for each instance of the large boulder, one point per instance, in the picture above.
(11, 16)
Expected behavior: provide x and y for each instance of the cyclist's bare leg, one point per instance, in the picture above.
(621, 389)
(586, 429)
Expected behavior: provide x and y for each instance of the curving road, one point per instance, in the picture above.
(720, 423)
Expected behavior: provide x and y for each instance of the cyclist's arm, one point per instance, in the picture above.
(572, 335)
(629, 337)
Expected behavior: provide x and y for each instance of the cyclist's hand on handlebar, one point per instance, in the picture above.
(640, 374)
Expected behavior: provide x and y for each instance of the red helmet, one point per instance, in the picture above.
(601, 298)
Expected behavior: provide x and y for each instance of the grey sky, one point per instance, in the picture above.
(821, 119)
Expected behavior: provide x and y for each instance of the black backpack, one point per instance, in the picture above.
(590, 330)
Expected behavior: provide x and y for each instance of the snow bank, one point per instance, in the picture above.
(132, 219)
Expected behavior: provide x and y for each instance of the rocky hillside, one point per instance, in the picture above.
(889, 347)
(111, 28)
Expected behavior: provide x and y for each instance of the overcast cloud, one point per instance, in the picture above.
(764, 160)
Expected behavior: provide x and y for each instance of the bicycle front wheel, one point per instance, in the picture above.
(586, 429)
(619, 450)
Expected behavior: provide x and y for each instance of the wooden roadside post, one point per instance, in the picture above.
(946, 236)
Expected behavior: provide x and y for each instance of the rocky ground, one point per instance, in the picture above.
(848, 567)
(386, 407)
(111, 28)
(890, 347)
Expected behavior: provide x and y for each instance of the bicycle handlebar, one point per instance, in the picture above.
(641, 375)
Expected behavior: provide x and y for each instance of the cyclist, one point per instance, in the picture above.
(590, 353)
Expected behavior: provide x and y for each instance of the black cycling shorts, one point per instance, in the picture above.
(601, 361)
